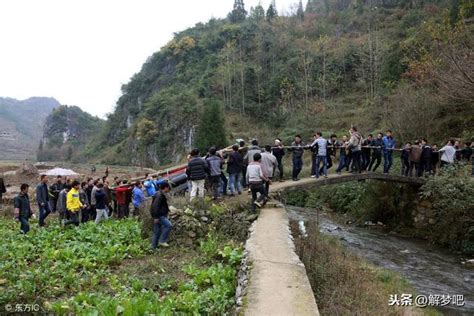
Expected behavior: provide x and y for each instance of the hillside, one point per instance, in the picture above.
(332, 63)
(66, 133)
(21, 125)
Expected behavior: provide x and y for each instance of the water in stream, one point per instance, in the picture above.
(428, 270)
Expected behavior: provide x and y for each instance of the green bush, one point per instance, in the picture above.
(452, 195)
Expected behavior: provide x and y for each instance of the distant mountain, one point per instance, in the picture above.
(21, 125)
(66, 133)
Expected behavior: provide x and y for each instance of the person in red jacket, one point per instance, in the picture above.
(121, 194)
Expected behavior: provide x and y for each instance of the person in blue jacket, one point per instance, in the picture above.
(389, 144)
(150, 186)
(138, 198)
(158, 182)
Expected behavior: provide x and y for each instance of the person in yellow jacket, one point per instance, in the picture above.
(73, 204)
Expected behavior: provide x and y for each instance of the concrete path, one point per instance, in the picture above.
(278, 282)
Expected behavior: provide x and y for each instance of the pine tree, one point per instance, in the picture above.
(238, 14)
(271, 12)
(300, 11)
(257, 13)
(312, 6)
(211, 130)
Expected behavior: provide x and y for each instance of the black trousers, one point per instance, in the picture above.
(426, 166)
(73, 218)
(214, 183)
(365, 160)
(257, 188)
(376, 157)
(115, 209)
(297, 166)
(244, 176)
(280, 169)
(224, 183)
(122, 211)
(85, 215)
(356, 162)
(405, 167)
(267, 187)
(92, 213)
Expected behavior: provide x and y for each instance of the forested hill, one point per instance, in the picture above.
(66, 133)
(403, 64)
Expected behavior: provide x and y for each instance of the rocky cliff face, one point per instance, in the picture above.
(21, 125)
(66, 133)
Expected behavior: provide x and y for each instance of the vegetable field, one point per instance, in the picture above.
(108, 270)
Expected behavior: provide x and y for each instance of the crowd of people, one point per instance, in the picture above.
(254, 167)
(251, 168)
(95, 200)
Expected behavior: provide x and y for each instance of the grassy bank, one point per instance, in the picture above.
(109, 269)
(345, 284)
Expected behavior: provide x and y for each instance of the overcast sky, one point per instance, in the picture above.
(82, 51)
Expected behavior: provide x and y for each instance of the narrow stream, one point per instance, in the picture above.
(427, 269)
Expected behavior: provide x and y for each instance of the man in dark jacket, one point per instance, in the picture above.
(376, 152)
(85, 202)
(3, 190)
(278, 151)
(197, 172)
(159, 212)
(314, 156)
(333, 145)
(366, 151)
(243, 149)
(434, 158)
(297, 148)
(61, 203)
(42, 197)
(23, 209)
(91, 198)
(234, 169)
(466, 152)
(214, 164)
(405, 159)
(57, 187)
(425, 162)
(100, 203)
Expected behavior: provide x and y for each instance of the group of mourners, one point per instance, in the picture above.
(251, 168)
(95, 200)
(254, 167)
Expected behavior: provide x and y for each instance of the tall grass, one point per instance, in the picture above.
(344, 284)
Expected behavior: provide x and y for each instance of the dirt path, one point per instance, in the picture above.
(278, 281)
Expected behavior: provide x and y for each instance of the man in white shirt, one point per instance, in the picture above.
(448, 154)
(321, 150)
(255, 179)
